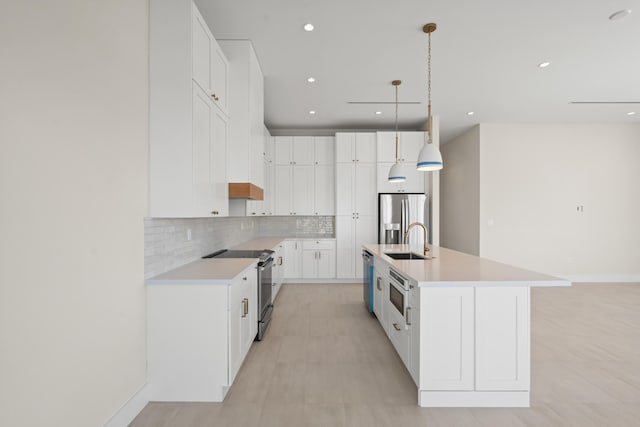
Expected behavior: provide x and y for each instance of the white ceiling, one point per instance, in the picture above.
(485, 57)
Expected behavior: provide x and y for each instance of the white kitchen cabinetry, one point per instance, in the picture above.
(243, 322)
(352, 147)
(277, 272)
(413, 323)
(502, 350)
(198, 336)
(304, 177)
(380, 298)
(351, 233)
(319, 259)
(246, 110)
(447, 356)
(210, 68)
(292, 259)
(356, 200)
(399, 334)
(188, 131)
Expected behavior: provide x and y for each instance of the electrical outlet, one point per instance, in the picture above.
(188, 234)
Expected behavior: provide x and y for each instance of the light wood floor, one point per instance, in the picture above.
(326, 362)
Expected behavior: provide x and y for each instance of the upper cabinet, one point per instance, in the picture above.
(246, 113)
(188, 120)
(354, 147)
(210, 67)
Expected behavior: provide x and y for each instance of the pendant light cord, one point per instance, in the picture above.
(396, 123)
(429, 121)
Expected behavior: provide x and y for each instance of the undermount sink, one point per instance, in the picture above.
(404, 255)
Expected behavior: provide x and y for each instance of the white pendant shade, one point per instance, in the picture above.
(429, 158)
(396, 174)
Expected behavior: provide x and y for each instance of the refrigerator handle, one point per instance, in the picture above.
(403, 220)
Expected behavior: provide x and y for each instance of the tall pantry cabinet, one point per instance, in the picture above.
(188, 116)
(356, 200)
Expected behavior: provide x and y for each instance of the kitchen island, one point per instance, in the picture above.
(460, 323)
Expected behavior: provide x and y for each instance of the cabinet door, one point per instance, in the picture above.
(447, 360)
(413, 321)
(345, 147)
(282, 190)
(365, 197)
(309, 264)
(303, 150)
(415, 179)
(345, 175)
(326, 264)
(345, 247)
(365, 232)
(282, 150)
(502, 338)
(386, 147)
(236, 318)
(324, 190)
(219, 77)
(366, 147)
(399, 335)
(218, 165)
(201, 49)
(250, 330)
(202, 142)
(292, 259)
(302, 191)
(325, 152)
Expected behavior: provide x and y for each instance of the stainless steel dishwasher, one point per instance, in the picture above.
(367, 279)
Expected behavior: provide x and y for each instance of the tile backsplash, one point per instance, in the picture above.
(167, 246)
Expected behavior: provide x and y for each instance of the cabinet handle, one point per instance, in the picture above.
(244, 278)
(406, 316)
(214, 212)
(397, 328)
(378, 283)
(245, 307)
(279, 260)
(215, 97)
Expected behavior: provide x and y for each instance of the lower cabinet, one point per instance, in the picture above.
(380, 295)
(309, 258)
(198, 336)
(319, 259)
(277, 271)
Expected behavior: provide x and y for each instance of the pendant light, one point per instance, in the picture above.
(429, 158)
(396, 174)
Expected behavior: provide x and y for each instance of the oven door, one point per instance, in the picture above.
(398, 297)
(265, 308)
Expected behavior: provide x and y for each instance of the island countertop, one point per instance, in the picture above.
(453, 268)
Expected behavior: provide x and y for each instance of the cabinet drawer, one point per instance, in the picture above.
(318, 244)
(399, 338)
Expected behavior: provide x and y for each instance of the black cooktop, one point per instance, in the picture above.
(262, 254)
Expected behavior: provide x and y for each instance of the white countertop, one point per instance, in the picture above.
(214, 271)
(453, 268)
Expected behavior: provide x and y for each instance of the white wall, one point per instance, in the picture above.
(533, 178)
(460, 193)
(73, 178)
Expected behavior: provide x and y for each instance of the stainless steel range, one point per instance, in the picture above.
(265, 263)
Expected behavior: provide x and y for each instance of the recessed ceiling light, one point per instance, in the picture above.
(619, 14)
(308, 27)
(311, 80)
(470, 113)
(544, 64)
(378, 113)
(312, 112)
(631, 113)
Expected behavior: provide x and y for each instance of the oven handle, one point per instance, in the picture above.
(406, 316)
(267, 264)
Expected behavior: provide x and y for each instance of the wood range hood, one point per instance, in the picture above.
(245, 190)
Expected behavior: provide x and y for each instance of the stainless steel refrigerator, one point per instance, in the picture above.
(396, 211)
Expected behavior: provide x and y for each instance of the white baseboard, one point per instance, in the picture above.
(605, 278)
(473, 399)
(131, 408)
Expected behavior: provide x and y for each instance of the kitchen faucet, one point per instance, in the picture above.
(425, 233)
